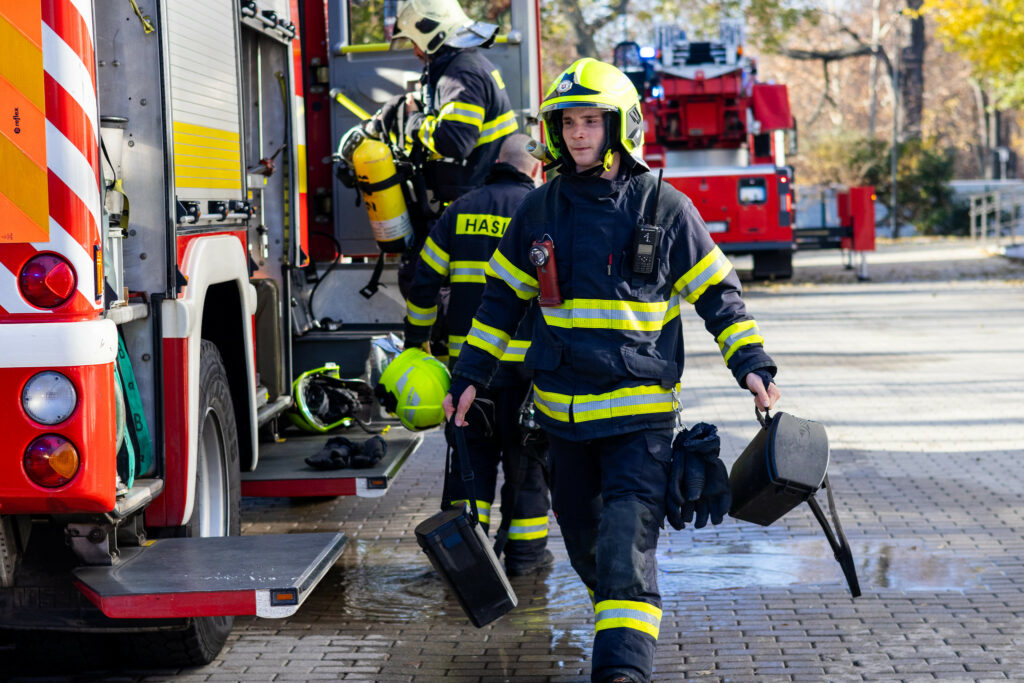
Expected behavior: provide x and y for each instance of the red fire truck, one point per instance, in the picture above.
(721, 136)
(162, 164)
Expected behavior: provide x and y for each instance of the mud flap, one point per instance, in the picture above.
(265, 576)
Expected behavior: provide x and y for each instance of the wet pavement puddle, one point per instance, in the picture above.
(396, 583)
(909, 567)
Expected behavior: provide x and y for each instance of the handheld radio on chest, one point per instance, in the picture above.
(646, 238)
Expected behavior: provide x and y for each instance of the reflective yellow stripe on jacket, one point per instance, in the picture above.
(490, 339)
(498, 128)
(525, 286)
(619, 403)
(737, 335)
(456, 112)
(612, 314)
(468, 271)
(435, 257)
(423, 317)
(639, 616)
(710, 270)
(515, 352)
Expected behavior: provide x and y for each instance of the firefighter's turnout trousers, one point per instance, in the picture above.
(608, 495)
(494, 437)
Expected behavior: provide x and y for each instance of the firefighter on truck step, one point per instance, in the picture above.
(618, 256)
(457, 251)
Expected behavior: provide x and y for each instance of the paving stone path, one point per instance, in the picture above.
(918, 376)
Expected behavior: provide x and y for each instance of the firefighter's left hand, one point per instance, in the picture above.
(764, 397)
(465, 401)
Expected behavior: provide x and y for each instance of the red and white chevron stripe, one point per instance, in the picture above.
(72, 160)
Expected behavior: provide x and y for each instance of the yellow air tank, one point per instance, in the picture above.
(375, 171)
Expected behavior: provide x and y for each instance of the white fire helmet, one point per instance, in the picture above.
(429, 24)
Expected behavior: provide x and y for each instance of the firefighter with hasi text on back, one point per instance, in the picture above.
(457, 251)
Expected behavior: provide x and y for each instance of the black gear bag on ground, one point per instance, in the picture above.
(784, 465)
(462, 555)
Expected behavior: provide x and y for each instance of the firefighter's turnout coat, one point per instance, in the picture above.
(466, 113)
(458, 250)
(609, 359)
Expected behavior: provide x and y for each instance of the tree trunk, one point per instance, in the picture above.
(912, 76)
(876, 27)
(586, 30)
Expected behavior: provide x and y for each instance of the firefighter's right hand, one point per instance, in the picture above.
(459, 405)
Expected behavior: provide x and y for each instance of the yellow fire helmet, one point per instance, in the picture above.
(412, 388)
(433, 23)
(592, 83)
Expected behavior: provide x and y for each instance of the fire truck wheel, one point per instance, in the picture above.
(216, 513)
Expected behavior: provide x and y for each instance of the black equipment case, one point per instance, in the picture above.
(784, 465)
(460, 552)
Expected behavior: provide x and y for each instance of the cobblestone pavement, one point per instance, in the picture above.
(918, 376)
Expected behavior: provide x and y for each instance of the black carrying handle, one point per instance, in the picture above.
(466, 469)
(840, 546)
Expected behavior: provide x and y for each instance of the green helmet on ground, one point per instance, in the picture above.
(592, 83)
(412, 388)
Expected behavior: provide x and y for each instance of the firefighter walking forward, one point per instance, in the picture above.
(457, 250)
(462, 112)
(611, 257)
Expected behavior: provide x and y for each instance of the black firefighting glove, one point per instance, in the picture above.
(386, 118)
(699, 481)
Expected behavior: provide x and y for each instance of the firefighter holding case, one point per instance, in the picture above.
(611, 253)
(457, 250)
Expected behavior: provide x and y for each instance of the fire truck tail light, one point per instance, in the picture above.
(47, 281)
(789, 202)
(51, 461)
(49, 398)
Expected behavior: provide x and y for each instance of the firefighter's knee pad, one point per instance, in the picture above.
(627, 538)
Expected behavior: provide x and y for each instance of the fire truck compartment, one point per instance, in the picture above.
(282, 470)
(265, 576)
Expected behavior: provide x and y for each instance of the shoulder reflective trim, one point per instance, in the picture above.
(710, 270)
(524, 285)
(639, 316)
(498, 128)
(422, 317)
(482, 507)
(482, 224)
(496, 75)
(468, 271)
(624, 402)
(528, 529)
(639, 616)
(490, 339)
(555, 406)
(462, 112)
(435, 257)
(737, 335)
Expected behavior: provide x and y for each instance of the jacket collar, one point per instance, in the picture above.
(507, 173)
